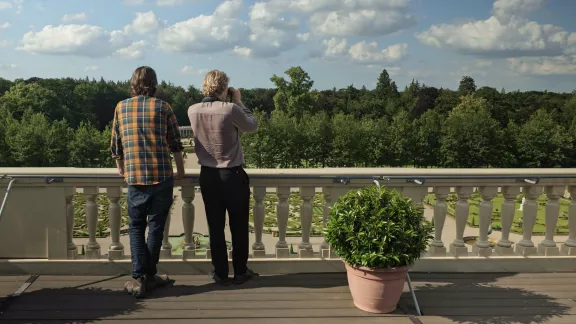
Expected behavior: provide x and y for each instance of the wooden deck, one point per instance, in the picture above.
(283, 299)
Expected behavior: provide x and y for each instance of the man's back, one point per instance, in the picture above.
(216, 126)
(145, 130)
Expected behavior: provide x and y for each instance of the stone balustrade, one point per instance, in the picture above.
(38, 219)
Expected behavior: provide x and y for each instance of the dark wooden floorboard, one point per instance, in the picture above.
(303, 298)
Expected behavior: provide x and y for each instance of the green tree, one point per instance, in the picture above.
(385, 88)
(295, 96)
(471, 137)
(32, 143)
(467, 86)
(542, 143)
(427, 133)
(89, 148)
(22, 97)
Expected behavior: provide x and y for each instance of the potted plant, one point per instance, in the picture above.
(378, 233)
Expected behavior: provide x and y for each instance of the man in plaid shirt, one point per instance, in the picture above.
(144, 132)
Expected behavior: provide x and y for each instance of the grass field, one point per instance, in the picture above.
(539, 227)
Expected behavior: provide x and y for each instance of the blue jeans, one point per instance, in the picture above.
(148, 206)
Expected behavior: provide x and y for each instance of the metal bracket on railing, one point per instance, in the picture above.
(532, 181)
(341, 180)
(50, 180)
(10, 184)
(385, 178)
(416, 181)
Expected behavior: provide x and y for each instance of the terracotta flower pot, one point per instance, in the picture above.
(376, 290)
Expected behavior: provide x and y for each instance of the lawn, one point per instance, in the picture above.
(539, 227)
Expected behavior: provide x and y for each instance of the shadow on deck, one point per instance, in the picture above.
(296, 298)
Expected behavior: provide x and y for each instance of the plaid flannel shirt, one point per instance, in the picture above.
(144, 131)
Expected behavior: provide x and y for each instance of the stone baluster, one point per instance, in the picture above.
(504, 246)
(482, 246)
(526, 247)
(72, 248)
(116, 249)
(417, 194)
(569, 247)
(458, 247)
(282, 213)
(324, 246)
(437, 247)
(258, 248)
(92, 248)
(166, 249)
(305, 247)
(548, 247)
(188, 216)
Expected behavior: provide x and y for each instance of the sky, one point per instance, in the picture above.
(511, 44)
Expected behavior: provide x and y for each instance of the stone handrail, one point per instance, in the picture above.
(39, 216)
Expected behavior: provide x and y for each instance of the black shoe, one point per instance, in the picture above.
(242, 278)
(156, 281)
(222, 281)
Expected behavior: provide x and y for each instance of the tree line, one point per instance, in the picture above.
(66, 122)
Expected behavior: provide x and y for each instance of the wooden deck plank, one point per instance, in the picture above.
(330, 278)
(324, 298)
(190, 314)
(127, 302)
(566, 319)
(322, 320)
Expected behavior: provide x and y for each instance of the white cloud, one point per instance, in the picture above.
(144, 23)
(81, 40)
(4, 43)
(206, 33)
(5, 25)
(506, 34)
(91, 68)
(504, 10)
(167, 3)
(350, 17)
(363, 52)
(133, 51)
(361, 22)
(188, 70)
(133, 2)
(242, 51)
(558, 65)
(8, 66)
(74, 17)
(5, 5)
(334, 47)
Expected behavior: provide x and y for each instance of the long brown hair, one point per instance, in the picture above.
(143, 82)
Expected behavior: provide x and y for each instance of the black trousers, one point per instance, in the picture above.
(227, 190)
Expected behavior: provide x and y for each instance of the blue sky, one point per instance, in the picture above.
(511, 44)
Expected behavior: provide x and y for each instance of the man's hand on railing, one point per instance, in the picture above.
(120, 167)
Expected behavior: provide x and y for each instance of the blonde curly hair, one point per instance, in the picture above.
(215, 82)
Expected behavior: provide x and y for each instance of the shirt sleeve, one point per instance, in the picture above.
(116, 147)
(173, 131)
(244, 119)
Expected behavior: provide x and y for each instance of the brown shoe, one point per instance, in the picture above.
(157, 282)
(136, 287)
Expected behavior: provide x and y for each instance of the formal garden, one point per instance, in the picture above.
(475, 199)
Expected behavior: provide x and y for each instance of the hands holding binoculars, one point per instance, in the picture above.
(234, 94)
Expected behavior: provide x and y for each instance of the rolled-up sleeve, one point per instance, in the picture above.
(244, 119)
(116, 147)
(173, 131)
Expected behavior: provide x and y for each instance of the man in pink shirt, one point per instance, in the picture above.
(224, 184)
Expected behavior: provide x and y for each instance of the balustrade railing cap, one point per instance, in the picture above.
(319, 173)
